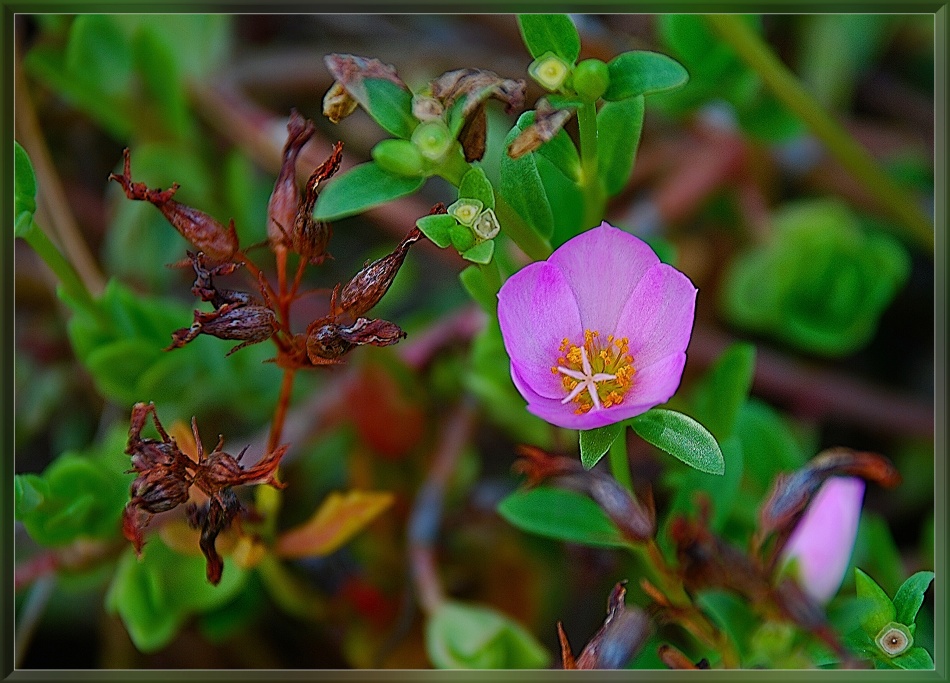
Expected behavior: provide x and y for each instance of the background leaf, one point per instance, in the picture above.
(563, 515)
(555, 33)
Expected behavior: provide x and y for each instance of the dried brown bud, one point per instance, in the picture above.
(368, 286)
(476, 86)
(311, 237)
(328, 341)
(349, 88)
(159, 490)
(624, 632)
(675, 659)
(212, 520)
(204, 287)
(251, 324)
(285, 198)
(473, 135)
(337, 103)
(203, 231)
(547, 122)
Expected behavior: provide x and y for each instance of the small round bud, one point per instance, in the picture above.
(591, 78)
(466, 211)
(894, 639)
(549, 70)
(433, 139)
(486, 226)
(400, 157)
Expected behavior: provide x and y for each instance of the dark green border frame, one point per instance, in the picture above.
(940, 12)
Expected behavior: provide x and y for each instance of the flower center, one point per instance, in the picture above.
(597, 374)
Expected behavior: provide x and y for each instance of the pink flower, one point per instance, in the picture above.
(598, 332)
(822, 542)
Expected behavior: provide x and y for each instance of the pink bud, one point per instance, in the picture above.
(822, 542)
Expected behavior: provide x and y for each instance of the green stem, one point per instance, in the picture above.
(619, 463)
(454, 166)
(839, 142)
(491, 274)
(61, 267)
(590, 180)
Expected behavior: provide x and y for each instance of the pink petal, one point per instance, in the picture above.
(536, 311)
(658, 318)
(822, 542)
(653, 384)
(603, 266)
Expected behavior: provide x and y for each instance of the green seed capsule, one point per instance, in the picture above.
(400, 157)
(433, 139)
(591, 79)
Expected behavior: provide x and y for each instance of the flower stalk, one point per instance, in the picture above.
(590, 181)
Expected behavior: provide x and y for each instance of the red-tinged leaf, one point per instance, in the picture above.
(338, 519)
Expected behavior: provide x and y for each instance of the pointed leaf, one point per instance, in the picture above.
(619, 125)
(361, 188)
(682, 437)
(643, 73)
(550, 33)
(479, 288)
(563, 515)
(910, 596)
(390, 105)
(880, 610)
(480, 253)
(24, 189)
(595, 442)
(914, 658)
(475, 185)
(335, 522)
(521, 184)
(438, 228)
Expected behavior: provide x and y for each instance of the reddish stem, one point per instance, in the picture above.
(280, 411)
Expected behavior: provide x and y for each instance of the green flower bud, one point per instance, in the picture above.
(486, 226)
(549, 70)
(591, 78)
(400, 157)
(466, 210)
(433, 139)
(894, 639)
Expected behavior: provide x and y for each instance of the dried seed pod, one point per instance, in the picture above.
(624, 632)
(371, 283)
(547, 122)
(284, 200)
(311, 237)
(349, 88)
(337, 103)
(251, 324)
(204, 287)
(217, 242)
(328, 341)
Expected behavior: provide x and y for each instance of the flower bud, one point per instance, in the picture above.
(285, 198)
(400, 157)
(368, 286)
(433, 139)
(549, 70)
(486, 226)
(466, 210)
(250, 324)
(310, 237)
(591, 78)
(821, 544)
(894, 639)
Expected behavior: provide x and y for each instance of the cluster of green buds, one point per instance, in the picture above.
(470, 224)
(588, 79)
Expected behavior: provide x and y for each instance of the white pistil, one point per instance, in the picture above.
(586, 380)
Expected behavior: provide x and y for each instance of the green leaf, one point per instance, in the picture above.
(390, 105)
(880, 610)
(462, 237)
(437, 228)
(910, 596)
(24, 190)
(480, 253)
(723, 490)
(462, 636)
(724, 389)
(619, 125)
(155, 596)
(361, 188)
(475, 185)
(555, 33)
(478, 287)
(562, 153)
(162, 78)
(643, 73)
(562, 515)
(914, 658)
(595, 442)
(521, 184)
(682, 437)
(99, 54)
(565, 196)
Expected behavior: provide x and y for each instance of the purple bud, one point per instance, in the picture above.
(822, 542)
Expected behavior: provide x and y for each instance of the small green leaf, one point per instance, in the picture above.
(643, 73)
(682, 437)
(521, 184)
(462, 237)
(563, 515)
(550, 33)
(915, 658)
(619, 125)
(437, 228)
(595, 442)
(155, 62)
(480, 253)
(361, 188)
(880, 610)
(24, 190)
(461, 636)
(390, 105)
(910, 596)
(724, 389)
(475, 185)
(99, 55)
(478, 287)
